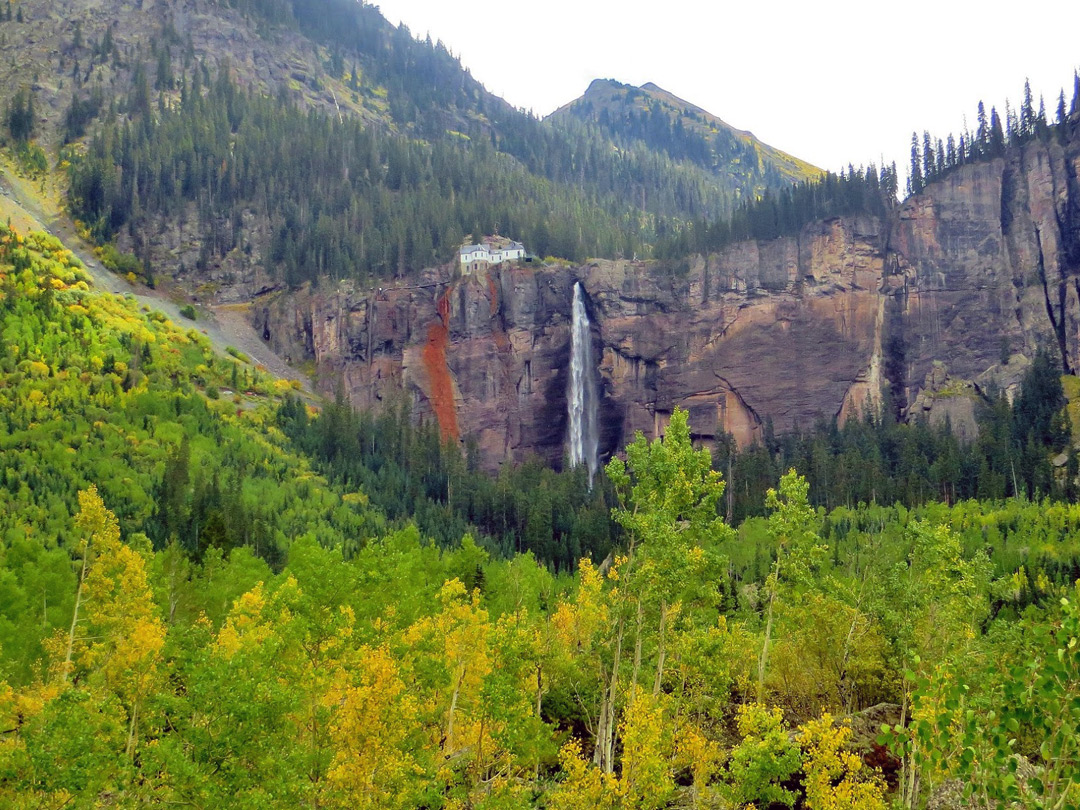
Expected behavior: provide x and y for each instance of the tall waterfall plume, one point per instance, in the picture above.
(583, 398)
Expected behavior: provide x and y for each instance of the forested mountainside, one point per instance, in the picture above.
(315, 140)
(191, 613)
(684, 131)
(217, 592)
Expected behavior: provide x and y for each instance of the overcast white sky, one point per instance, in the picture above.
(832, 82)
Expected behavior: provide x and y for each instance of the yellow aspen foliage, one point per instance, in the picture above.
(702, 757)
(646, 781)
(244, 626)
(19, 706)
(576, 624)
(585, 786)
(459, 634)
(647, 770)
(375, 714)
(834, 778)
(126, 636)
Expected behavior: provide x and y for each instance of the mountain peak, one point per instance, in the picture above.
(686, 132)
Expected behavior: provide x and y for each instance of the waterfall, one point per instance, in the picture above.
(583, 397)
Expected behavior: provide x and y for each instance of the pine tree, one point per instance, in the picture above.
(927, 158)
(997, 136)
(165, 80)
(20, 116)
(982, 134)
(915, 178)
(1027, 113)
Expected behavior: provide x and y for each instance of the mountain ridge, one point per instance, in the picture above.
(571, 189)
(665, 121)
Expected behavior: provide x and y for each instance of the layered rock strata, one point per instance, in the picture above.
(979, 269)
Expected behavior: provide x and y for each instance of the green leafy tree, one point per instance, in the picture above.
(764, 759)
(1033, 707)
(669, 500)
(792, 526)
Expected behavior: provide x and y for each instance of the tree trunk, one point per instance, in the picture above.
(637, 652)
(539, 696)
(661, 654)
(449, 739)
(764, 660)
(75, 615)
(605, 743)
(132, 730)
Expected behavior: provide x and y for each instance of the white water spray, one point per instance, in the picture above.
(583, 397)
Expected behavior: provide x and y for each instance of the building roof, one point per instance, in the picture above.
(466, 251)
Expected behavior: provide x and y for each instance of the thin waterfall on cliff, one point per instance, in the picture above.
(582, 399)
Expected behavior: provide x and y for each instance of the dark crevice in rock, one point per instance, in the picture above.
(1057, 319)
(894, 351)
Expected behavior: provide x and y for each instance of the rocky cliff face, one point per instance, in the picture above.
(986, 264)
(980, 268)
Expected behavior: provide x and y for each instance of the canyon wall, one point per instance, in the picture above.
(963, 281)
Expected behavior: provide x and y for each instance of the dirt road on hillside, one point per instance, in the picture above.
(20, 201)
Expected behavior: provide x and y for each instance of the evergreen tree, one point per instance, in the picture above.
(21, 116)
(982, 134)
(927, 158)
(915, 177)
(1041, 123)
(997, 136)
(165, 79)
(1037, 411)
(1027, 112)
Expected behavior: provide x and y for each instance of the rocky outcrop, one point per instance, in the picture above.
(973, 275)
(945, 401)
(788, 330)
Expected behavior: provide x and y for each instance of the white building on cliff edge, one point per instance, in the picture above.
(489, 252)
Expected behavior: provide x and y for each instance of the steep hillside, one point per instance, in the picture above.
(266, 142)
(98, 389)
(685, 132)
